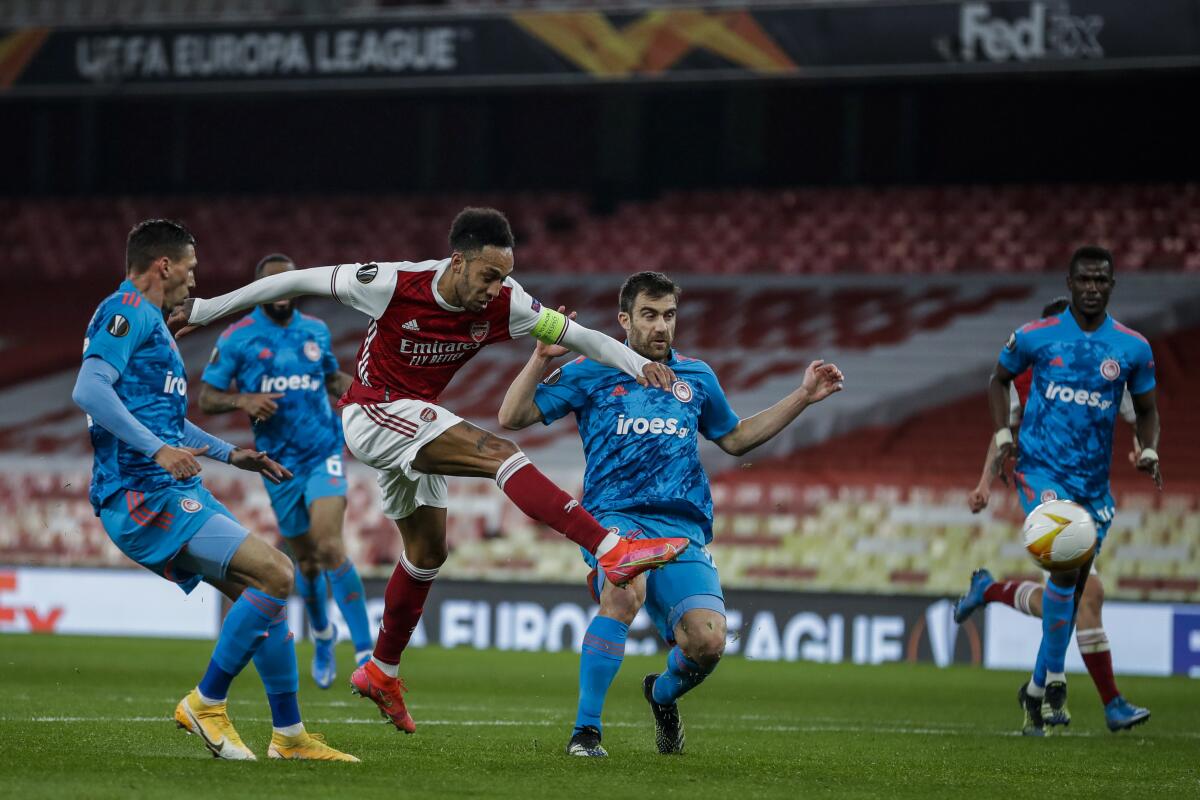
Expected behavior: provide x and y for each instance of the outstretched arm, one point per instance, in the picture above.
(294, 283)
(820, 381)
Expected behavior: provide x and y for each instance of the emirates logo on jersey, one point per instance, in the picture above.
(1110, 369)
(312, 351)
(480, 330)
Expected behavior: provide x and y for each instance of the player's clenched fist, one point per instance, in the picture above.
(822, 380)
(658, 375)
(258, 461)
(180, 462)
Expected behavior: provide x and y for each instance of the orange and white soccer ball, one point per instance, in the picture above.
(1060, 535)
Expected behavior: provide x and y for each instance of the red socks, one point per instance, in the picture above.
(539, 498)
(403, 602)
(1093, 646)
(1012, 593)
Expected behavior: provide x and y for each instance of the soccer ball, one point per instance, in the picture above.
(1060, 535)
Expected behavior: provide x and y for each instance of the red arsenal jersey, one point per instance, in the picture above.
(416, 340)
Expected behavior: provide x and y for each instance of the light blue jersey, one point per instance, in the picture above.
(642, 444)
(293, 359)
(1078, 381)
(129, 332)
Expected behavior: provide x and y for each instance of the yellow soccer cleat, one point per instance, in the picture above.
(212, 725)
(305, 747)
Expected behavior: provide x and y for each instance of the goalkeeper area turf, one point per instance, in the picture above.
(91, 717)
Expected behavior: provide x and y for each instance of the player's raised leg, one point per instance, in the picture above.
(469, 451)
(601, 657)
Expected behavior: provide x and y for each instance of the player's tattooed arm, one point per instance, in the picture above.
(518, 409)
(999, 403)
(261, 406)
(336, 383)
(820, 381)
(1147, 430)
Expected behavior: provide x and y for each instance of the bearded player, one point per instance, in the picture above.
(427, 320)
(146, 490)
(644, 473)
(283, 365)
(1082, 360)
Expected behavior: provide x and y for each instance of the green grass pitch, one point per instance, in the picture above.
(84, 717)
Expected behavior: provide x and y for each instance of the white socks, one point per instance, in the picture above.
(391, 670)
(324, 635)
(290, 730)
(610, 541)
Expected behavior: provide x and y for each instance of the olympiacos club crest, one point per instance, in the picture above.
(1110, 369)
(682, 392)
(312, 350)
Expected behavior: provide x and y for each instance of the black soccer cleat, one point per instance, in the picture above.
(668, 728)
(1054, 705)
(585, 742)
(1032, 706)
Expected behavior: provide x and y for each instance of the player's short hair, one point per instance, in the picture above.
(151, 239)
(654, 284)
(273, 258)
(476, 228)
(1056, 306)
(1091, 252)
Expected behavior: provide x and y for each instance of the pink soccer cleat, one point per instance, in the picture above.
(632, 557)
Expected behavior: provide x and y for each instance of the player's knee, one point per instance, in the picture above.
(331, 552)
(500, 449)
(278, 575)
(427, 555)
(706, 649)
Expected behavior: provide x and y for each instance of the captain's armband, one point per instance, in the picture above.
(550, 327)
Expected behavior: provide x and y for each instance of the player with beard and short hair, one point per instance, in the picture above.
(644, 473)
(283, 365)
(1082, 361)
(428, 319)
(146, 490)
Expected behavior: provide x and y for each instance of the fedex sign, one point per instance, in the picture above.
(105, 602)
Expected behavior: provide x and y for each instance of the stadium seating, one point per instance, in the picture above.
(770, 531)
(1012, 229)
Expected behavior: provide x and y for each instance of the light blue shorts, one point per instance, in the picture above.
(291, 499)
(1033, 489)
(184, 535)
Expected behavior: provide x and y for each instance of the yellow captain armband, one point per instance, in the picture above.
(549, 327)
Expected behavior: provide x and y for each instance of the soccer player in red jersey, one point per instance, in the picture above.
(427, 320)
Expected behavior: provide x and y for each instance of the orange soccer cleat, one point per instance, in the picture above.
(632, 557)
(369, 681)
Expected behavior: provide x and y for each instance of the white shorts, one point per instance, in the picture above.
(388, 436)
